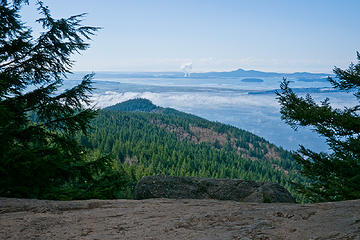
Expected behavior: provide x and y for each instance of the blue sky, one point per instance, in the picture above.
(215, 35)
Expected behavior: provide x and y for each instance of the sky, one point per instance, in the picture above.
(214, 35)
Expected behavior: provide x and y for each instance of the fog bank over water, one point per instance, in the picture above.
(250, 105)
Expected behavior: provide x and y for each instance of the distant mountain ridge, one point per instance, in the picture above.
(236, 73)
(253, 73)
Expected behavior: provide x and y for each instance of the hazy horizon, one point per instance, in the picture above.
(251, 106)
(179, 71)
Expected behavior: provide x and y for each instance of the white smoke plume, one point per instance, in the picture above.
(186, 68)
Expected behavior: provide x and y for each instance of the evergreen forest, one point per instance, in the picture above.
(143, 139)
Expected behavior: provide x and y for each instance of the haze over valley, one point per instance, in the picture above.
(245, 99)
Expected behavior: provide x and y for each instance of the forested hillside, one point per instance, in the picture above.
(145, 139)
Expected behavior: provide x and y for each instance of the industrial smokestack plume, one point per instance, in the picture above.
(186, 68)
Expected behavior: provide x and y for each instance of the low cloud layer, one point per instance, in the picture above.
(188, 100)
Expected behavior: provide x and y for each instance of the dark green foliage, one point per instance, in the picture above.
(336, 175)
(266, 199)
(39, 156)
(163, 143)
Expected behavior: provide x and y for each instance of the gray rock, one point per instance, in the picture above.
(208, 188)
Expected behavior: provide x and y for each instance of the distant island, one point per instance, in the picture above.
(252, 80)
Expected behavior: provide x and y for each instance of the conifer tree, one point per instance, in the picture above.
(38, 154)
(335, 175)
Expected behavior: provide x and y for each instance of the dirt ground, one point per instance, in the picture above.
(177, 219)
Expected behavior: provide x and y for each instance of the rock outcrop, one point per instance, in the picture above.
(177, 219)
(208, 188)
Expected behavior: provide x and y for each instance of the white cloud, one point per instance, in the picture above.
(186, 68)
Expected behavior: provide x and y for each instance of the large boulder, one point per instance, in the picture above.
(208, 188)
